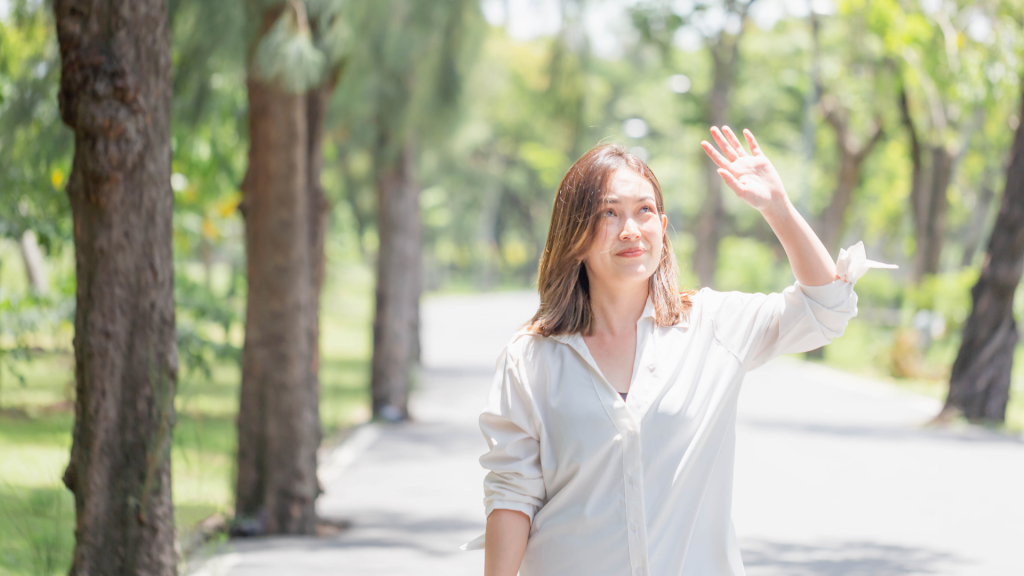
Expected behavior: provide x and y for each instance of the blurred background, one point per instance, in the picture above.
(890, 121)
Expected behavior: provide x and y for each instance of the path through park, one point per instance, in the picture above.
(835, 475)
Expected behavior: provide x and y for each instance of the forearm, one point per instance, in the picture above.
(505, 544)
(811, 263)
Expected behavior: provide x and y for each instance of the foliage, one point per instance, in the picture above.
(35, 148)
(498, 115)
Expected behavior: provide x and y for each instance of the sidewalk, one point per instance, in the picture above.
(834, 475)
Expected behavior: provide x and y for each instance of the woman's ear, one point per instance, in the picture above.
(664, 223)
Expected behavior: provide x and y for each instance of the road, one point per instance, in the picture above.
(835, 475)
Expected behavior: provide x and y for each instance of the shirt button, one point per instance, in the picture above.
(651, 366)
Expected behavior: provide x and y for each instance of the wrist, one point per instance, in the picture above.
(778, 208)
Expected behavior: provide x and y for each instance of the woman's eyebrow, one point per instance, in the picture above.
(615, 199)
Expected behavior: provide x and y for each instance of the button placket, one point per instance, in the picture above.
(647, 385)
(635, 519)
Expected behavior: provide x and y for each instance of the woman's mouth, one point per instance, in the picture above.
(630, 252)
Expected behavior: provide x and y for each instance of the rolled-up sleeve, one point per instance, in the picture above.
(512, 431)
(514, 480)
(759, 327)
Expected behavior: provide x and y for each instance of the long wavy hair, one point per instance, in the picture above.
(562, 281)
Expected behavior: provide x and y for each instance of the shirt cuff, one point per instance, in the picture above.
(829, 296)
(528, 509)
(478, 542)
(850, 266)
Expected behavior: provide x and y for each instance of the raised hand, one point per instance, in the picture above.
(751, 176)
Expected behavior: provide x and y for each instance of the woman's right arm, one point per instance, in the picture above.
(507, 531)
(514, 488)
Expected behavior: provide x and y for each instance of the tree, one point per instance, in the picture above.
(935, 61)
(979, 385)
(722, 34)
(407, 66)
(290, 82)
(115, 96)
(725, 56)
(851, 150)
(931, 174)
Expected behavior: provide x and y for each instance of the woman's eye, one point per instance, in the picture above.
(648, 208)
(609, 212)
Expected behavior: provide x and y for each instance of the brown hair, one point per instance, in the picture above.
(562, 282)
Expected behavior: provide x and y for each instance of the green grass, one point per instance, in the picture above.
(36, 511)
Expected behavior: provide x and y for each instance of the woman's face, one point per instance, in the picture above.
(627, 247)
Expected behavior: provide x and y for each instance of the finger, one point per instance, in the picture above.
(716, 157)
(727, 150)
(734, 141)
(754, 148)
(732, 182)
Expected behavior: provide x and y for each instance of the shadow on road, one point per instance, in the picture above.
(972, 434)
(764, 558)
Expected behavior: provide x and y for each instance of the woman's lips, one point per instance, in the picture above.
(630, 252)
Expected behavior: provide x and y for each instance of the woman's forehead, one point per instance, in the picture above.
(625, 185)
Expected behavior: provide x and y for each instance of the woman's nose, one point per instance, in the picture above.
(630, 231)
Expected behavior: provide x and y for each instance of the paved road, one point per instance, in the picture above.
(835, 475)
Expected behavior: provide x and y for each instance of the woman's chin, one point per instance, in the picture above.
(636, 273)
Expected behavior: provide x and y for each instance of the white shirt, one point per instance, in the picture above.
(644, 485)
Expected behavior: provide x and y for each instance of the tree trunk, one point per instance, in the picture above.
(979, 386)
(835, 213)
(278, 424)
(928, 200)
(115, 95)
(918, 185)
(976, 226)
(318, 209)
(725, 58)
(35, 265)
(398, 285)
(851, 157)
(937, 204)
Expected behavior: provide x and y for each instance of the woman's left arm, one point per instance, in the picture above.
(753, 178)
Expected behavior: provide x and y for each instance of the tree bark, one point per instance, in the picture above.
(929, 203)
(979, 385)
(286, 223)
(976, 225)
(278, 424)
(851, 158)
(934, 224)
(725, 61)
(115, 95)
(398, 285)
(708, 228)
(318, 210)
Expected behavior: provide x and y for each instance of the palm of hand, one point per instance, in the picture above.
(751, 176)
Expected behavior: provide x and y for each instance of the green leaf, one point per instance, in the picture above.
(287, 56)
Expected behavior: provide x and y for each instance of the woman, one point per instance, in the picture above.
(611, 420)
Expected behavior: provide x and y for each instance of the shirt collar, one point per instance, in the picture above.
(648, 312)
(648, 309)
